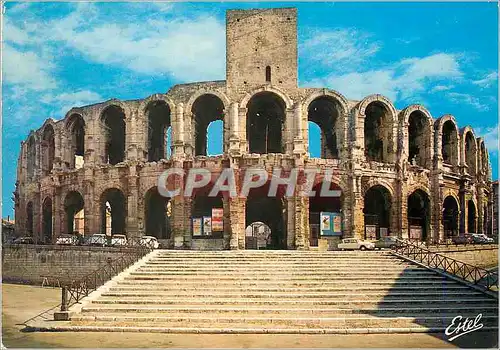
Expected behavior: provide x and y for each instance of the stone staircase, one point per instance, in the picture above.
(278, 292)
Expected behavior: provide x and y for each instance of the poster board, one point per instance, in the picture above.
(207, 226)
(330, 224)
(415, 233)
(371, 231)
(196, 222)
(217, 219)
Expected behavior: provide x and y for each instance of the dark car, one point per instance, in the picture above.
(462, 239)
(386, 242)
(24, 240)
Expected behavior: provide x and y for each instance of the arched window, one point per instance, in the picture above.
(76, 127)
(378, 133)
(449, 143)
(268, 74)
(206, 109)
(324, 113)
(48, 149)
(30, 158)
(113, 122)
(158, 131)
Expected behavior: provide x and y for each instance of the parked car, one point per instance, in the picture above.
(24, 240)
(462, 239)
(479, 238)
(355, 243)
(386, 242)
(150, 241)
(118, 240)
(485, 239)
(66, 240)
(97, 239)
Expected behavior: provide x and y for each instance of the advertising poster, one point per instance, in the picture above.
(196, 226)
(337, 224)
(384, 231)
(371, 231)
(207, 225)
(325, 221)
(217, 217)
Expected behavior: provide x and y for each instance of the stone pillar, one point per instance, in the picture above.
(132, 196)
(463, 210)
(130, 140)
(242, 129)
(401, 202)
(91, 205)
(297, 135)
(300, 238)
(358, 222)
(237, 223)
(179, 132)
(234, 135)
(187, 205)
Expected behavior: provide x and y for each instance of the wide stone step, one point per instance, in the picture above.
(344, 289)
(302, 269)
(283, 278)
(255, 310)
(400, 302)
(291, 295)
(271, 323)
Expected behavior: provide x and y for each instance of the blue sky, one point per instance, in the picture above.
(59, 55)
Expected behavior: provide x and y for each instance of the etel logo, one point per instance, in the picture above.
(457, 328)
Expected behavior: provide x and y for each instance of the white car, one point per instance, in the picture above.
(485, 238)
(150, 241)
(355, 243)
(118, 240)
(66, 240)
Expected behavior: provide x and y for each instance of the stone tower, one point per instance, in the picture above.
(261, 48)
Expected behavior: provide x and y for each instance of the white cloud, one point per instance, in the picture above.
(487, 81)
(468, 99)
(63, 102)
(490, 136)
(27, 69)
(441, 88)
(337, 49)
(401, 81)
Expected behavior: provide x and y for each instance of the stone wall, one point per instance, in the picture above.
(30, 264)
(479, 255)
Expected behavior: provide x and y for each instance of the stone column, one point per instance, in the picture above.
(237, 207)
(234, 135)
(358, 222)
(461, 196)
(132, 196)
(401, 203)
(179, 132)
(91, 206)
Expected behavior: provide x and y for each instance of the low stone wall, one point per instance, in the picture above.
(31, 264)
(482, 255)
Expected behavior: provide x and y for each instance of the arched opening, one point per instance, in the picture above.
(450, 217)
(30, 219)
(377, 212)
(449, 143)
(202, 209)
(206, 109)
(265, 123)
(330, 206)
(31, 158)
(378, 133)
(113, 125)
(159, 123)
(215, 131)
(324, 112)
(470, 153)
(48, 149)
(113, 212)
(270, 211)
(158, 212)
(471, 216)
(418, 212)
(268, 74)
(257, 235)
(75, 215)
(314, 140)
(419, 147)
(486, 220)
(47, 220)
(77, 136)
(484, 159)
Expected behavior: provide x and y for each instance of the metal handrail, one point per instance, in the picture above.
(467, 272)
(75, 291)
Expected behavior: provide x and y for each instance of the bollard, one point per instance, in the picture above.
(64, 301)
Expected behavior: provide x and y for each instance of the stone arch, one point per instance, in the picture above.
(284, 97)
(224, 99)
(47, 220)
(378, 117)
(378, 182)
(113, 210)
(75, 127)
(266, 115)
(483, 158)
(415, 135)
(377, 210)
(328, 110)
(418, 215)
(450, 220)
(206, 109)
(157, 214)
(469, 147)
(112, 122)
(341, 100)
(48, 148)
(158, 124)
(30, 218)
(31, 155)
(472, 214)
(74, 204)
(447, 139)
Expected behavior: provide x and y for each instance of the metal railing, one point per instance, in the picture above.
(78, 289)
(467, 272)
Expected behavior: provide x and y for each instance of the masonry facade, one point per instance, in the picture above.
(400, 172)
